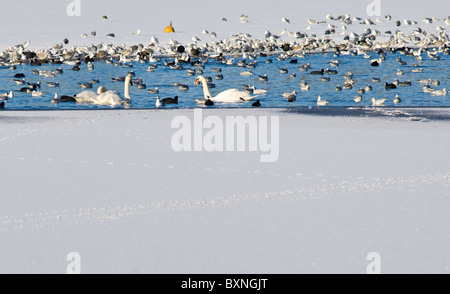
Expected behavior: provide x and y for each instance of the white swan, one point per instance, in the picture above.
(89, 96)
(112, 98)
(231, 95)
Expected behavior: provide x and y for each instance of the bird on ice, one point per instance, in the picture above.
(285, 20)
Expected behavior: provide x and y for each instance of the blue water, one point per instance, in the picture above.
(164, 78)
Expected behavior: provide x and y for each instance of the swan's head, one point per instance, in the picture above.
(198, 80)
(101, 90)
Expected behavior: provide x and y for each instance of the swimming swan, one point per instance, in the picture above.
(112, 98)
(231, 95)
(89, 96)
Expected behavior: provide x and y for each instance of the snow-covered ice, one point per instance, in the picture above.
(108, 185)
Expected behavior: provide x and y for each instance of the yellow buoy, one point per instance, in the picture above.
(169, 29)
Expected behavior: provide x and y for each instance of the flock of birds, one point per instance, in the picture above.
(240, 50)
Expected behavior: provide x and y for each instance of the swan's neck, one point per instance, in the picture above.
(127, 88)
(206, 91)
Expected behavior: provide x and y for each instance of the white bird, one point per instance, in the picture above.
(247, 73)
(159, 103)
(321, 102)
(378, 102)
(358, 99)
(231, 95)
(37, 94)
(154, 40)
(89, 96)
(397, 99)
(440, 92)
(6, 96)
(112, 98)
(55, 100)
(287, 94)
(138, 32)
(259, 91)
(285, 20)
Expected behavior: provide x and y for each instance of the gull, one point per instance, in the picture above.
(153, 91)
(138, 32)
(259, 92)
(247, 73)
(358, 99)
(285, 20)
(287, 94)
(397, 99)
(37, 94)
(321, 102)
(440, 92)
(378, 102)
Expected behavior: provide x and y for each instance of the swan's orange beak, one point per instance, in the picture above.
(197, 81)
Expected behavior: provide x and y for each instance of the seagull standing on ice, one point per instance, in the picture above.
(285, 20)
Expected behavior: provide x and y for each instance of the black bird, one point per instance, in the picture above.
(375, 63)
(256, 104)
(19, 75)
(318, 72)
(390, 86)
(66, 41)
(67, 99)
(209, 102)
(2, 105)
(170, 100)
(76, 68)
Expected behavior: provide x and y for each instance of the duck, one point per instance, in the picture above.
(378, 102)
(230, 95)
(2, 105)
(318, 72)
(209, 102)
(257, 103)
(263, 78)
(170, 100)
(321, 102)
(397, 99)
(390, 86)
(292, 98)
